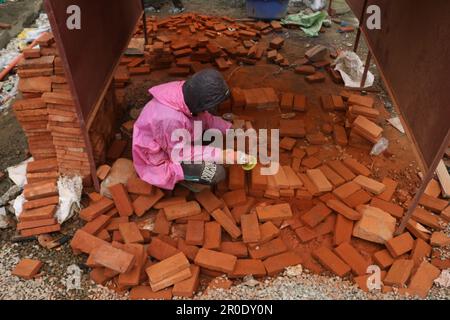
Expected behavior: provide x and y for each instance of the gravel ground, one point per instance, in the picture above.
(293, 284)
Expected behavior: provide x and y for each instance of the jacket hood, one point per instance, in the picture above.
(171, 95)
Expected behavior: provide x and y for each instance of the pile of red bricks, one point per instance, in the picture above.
(190, 42)
(159, 244)
(47, 112)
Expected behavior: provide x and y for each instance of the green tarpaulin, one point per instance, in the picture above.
(309, 23)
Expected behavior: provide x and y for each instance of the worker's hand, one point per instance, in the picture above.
(236, 156)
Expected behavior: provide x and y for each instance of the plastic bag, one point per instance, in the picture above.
(315, 5)
(380, 147)
(351, 69)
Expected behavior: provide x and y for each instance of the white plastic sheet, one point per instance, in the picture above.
(351, 69)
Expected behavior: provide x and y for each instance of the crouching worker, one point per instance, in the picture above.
(176, 105)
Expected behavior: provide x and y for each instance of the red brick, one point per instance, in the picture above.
(356, 167)
(342, 170)
(96, 209)
(420, 251)
(415, 229)
(426, 218)
(132, 277)
(213, 236)
(305, 70)
(167, 202)
(195, 232)
(144, 203)
(399, 273)
(278, 263)
(227, 223)
(188, 287)
(339, 135)
(40, 230)
(188, 250)
(439, 239)
(331, 261)
(346, 190)
(238, 211)
(311, 188)
(208, 200)
(383, 258)
(113, 258)
(39, 203)
(161, 250)
(235, 198)
(422, 281)
(217, 261)
(236, 177)
(287, 101)
(316, 215)
(292, 128)
(121, 200)
(130, 233)
(27, 268)
(335, 179)
(35, 224)
(353, 258)
(370, 185)
(278, 211)
(162, 225)
(394, 209)
(40, 190)
(38, 214)
(271, 248)
(433, 204)
(299, 103)
(277, 43)
(138, 186)
(182, 210)
(305, 234)
(316, 77)
(311, 162)
(245, 267)
(358, 198)
(250, 228)
(364, 101)
(95, 225)
(39, 166)
(238, 249)
(167, 268)
(319, 180)
(341, 208)
(146, 293)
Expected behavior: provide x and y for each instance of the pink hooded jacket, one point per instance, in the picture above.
(152, 144)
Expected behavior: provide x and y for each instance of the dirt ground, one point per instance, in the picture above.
(404, 168)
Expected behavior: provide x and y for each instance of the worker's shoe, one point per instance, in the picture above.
(205, 173)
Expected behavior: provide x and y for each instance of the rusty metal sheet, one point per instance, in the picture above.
(412, 52)
(91, 53)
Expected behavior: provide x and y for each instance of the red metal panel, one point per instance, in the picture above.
(91, 53)
(412, 51)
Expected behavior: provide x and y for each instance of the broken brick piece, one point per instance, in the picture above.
(27, 268)
(188, 287)
(383, 258)
(422, 281)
